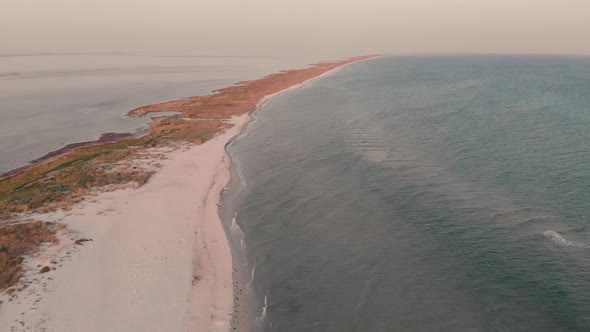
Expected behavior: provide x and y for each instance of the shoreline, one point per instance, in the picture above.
(159, 258)
(245, 318)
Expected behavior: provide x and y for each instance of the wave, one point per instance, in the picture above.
(557, 238)
(237, 231)
(237, 166)
(243, 184)
(249, 284)
(235, 228)
(263, 321)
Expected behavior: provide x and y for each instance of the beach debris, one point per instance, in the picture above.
(81, 241)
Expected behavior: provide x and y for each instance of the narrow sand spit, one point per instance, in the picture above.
(143, 271)
(157, 258)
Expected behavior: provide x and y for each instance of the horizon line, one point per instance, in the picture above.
(180, 54)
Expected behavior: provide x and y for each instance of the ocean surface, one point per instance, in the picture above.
(48, 101)
(420, 194)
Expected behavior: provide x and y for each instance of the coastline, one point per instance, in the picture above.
(160, 257)
(246, 314)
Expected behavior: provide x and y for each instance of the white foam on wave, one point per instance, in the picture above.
(235, 228)
(236, 162)
(239, 172)
(243, 184)
(249, 284)
(263, 321)
(557, 238)
(236, 231)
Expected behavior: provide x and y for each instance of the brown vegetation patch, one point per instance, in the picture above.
(191, 131)
(19, 240)
(66, 179)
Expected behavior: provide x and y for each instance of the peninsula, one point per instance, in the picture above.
(124, 233)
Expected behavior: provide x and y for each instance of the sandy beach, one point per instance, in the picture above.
(153, 258)
(143, 271)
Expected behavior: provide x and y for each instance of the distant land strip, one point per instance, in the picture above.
(62, 177)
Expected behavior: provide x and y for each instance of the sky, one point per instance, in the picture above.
(295, 27)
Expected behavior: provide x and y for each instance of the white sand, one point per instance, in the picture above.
(143, 271)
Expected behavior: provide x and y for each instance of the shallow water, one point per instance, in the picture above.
(49, 101)
(422, 193)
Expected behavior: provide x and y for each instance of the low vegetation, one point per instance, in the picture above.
(19, 240)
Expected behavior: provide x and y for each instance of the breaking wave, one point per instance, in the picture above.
(557, 238)
(249, 284)
(263, 321)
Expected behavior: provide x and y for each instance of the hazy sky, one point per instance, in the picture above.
(298, 27)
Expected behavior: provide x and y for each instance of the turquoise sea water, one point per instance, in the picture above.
(421, 194)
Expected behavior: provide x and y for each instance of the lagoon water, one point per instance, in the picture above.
(422, 194)
(48, 101)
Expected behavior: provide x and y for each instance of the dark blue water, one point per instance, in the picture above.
(422, 194)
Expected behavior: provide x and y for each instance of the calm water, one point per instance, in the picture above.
(423, 194)
(48, 101)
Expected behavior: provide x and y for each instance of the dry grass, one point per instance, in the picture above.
(65, 179)
(19, 240)
(192, 131)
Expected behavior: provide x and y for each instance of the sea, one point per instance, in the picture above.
(48, 101)
(442, 193)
